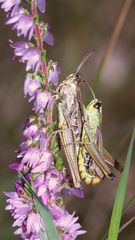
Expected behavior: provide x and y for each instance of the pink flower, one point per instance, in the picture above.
(43, 100)
(34, 223)
(27, 54)
(44, 163)
(31, 87)
(23, 23)
(8, 4)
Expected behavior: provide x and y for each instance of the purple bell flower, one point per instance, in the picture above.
(8, 4)
(31, 86)
(41, 5)
(57, 212)
(54, 74)
(78, 192)
(16, 10)
(47, 36)
(14, 15)
(31, 131)
(31, 157)
(19, 47)
(49, 186)
(70, 228)
(15, 167)
(54, 179)
(27, 221)
(45, 162)
(27, 54)
(23, 147)
(34, 223)
(32, 59)
(43, 100)
(23, 23)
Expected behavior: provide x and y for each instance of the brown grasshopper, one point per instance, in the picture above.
(70, 121)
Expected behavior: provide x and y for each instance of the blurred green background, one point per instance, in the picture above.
(78, 26)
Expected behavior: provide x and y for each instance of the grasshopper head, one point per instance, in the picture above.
(72, 79)
(95, 104)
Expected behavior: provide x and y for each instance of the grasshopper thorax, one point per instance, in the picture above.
(94, 113)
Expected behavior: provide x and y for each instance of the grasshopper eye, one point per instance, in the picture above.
(78, 77)
(97, 105)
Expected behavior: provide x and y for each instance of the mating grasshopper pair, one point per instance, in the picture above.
(81, 136)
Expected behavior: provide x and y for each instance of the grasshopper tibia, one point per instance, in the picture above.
(118, 166)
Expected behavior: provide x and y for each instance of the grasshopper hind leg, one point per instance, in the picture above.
(118, 166)
(109, 159)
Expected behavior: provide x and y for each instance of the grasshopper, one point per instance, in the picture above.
(70, 121)
(93, 159)
(80, 133)
(70, 112)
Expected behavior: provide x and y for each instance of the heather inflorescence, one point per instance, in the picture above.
(38, 157)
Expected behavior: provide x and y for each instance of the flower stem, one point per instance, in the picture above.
(39, 42)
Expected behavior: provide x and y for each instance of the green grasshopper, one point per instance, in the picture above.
(93, 159)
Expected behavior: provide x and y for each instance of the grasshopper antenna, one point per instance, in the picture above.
(84, 60)
(93, 94)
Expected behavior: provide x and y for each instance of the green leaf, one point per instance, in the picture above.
(43, 236)
(125, 208)
(48, 221)
(120, 195)
(51, 232)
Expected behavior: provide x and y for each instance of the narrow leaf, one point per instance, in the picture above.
(43, 236)
(120, 195)
(125, 208)
(48, 221)
(50, 229)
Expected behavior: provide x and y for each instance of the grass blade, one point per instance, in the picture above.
(120, 195)
(51, 232)
(125, 208)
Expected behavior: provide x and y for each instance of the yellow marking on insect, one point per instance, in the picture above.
(89, 179)
(80, 160)
(81, 168)
(96, 180)
(83, 175)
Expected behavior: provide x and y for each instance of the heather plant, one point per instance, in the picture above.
(38, 162)
(37, 204)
